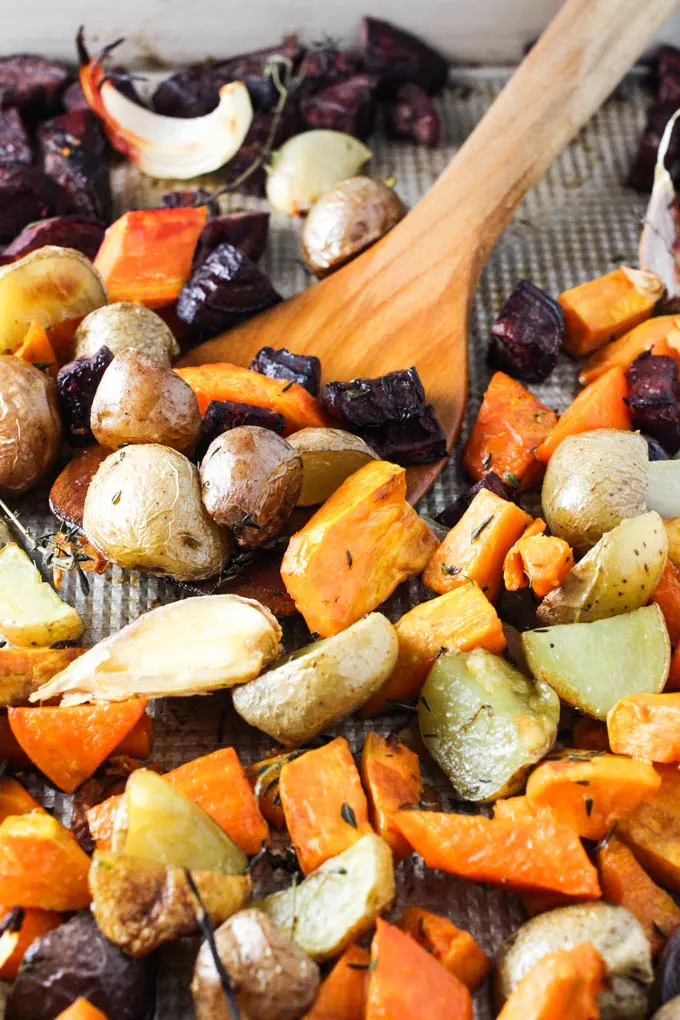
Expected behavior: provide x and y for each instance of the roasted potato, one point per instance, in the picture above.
(250, 482)
(158, 823)
(619, 574)
(671, 1011)
(143, 510)
(329, 456)
(594, 481)
(139, 904)
(140, 400)
(126, 325)
(339, 902)
(346, 220)
(321, 683)
(31, 612)
(613, 931)
(592, 665)
(30, 426)
(76, 960)
(190, 647)
(485, 723)
(272, 978)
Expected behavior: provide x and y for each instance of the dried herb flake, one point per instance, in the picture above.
(348, 816)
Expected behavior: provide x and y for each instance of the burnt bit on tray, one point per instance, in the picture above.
(28, 194)
(412, 115)
(348, 106)
(246, 230)
(77, 384)
(32, 84)
(304, 369)
(654, 399)
(399, 57)
(223, 415)
(73, 148)
(15, 146)
(451, 514)
(527, 336)
(85, 236)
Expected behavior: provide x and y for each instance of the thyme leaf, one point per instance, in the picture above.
(347, 815)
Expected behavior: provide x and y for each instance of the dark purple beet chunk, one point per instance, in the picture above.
(526, 338)
(417, 440)
(669, 76)
(31, 84)
(399, 57)
(189, 198)
(412, 115)
(304, 369)
(451, 514)
(73, 149)
(15, 146)
(371, 403)
(246, 230)
(641, 175)
(74, 98)
(65, 231)
(77, 384)
(222, 415)
(327, 66)
(225, 289)
(28, 194)
(348, 106)
(655, 449)
(654, 399)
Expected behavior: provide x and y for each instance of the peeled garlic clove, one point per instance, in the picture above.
(310, 164)
(658, 250)
(167, 146)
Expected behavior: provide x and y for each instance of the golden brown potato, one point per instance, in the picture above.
(30, 426)
(250, 482)
(346, 220)
(140, 904)
(140, 400)
(143, 510)
(329, 457)
(272, 978)
(125, 325)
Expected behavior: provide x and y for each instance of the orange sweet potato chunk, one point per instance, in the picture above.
(391, 775)
(667, 597)
(652, 830)
(607, 307)
(562, 986)
(454, 948)
(15, 800)
(356, 549)
(14, 943)
(602, 405)
(81, 1009)
(37, 349)
(476, 547)
(511, 424)
(24, 670)
(41, 865)
(342, 995)
(660, 336)
(646, 726)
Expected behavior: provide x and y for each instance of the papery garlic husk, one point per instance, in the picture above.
(659, 249)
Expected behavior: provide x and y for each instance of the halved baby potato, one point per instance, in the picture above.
(329, 456)
(31, 612)
(51, 285)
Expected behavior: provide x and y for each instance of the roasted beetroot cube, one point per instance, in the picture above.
(28, 194)
(412, 115)
(15, 146)
(64, 231)
(417, 440)
(669, 76)
(74, 98)
(371, 403)
(327, 66)
(655, 450)
(526, 338)
(304, 369)
(399, 57)
(225, 289)
(246, 230)
(73, 149)
(222, 415)
(348, 106)
(33, 85)
(77, 384)
(641, 175)
(451, 514)
(654, 399)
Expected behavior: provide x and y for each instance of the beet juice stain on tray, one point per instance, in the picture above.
(577, 223)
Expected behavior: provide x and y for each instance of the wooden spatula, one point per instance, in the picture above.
(406, 300)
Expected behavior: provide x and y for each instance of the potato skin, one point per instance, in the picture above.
(250, 482)
(125, 325)
(272, 978)
(140, 400)
(30, 426)
(143, 511)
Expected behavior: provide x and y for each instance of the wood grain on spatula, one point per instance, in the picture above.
(406, 300)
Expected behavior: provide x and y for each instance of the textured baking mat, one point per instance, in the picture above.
(578, 222)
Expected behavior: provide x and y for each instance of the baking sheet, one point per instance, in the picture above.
(578, 222)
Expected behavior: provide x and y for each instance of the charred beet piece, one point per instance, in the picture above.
(15, 146)
(451, 514)
(77, 384)
(28, 194)
(641, 175)
(187, 199)
(412, 115)
(655, 450)
(304, 369)
(669, 76)
(225, 289)
(348, 106)
(73, 148)
(418, 440)
(65, 231)
(526, 338)
(246, 230)
(654, 399)
(31, 84)
(74, 97)
(399, 57)
(371, 403)
(222, 415)
(327, 66)
(258, 134)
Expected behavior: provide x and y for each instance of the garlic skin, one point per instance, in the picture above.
(658, 249)
(310, 164)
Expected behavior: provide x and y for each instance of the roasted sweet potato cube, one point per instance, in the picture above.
(391, 775)
(652, 830)
(607, 307)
